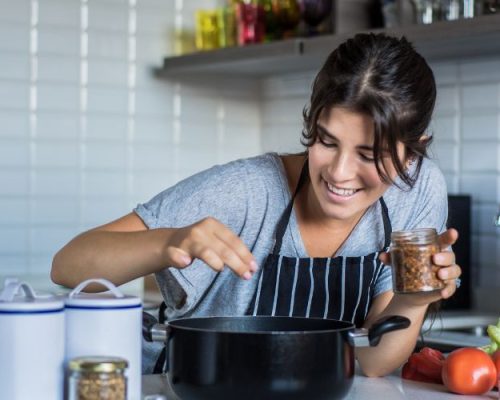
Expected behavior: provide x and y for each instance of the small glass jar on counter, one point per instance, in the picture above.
(411, 257)
(96, 378)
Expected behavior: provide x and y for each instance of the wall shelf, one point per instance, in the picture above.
(439, 41)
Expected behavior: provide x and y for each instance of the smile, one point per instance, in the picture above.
(341, 191)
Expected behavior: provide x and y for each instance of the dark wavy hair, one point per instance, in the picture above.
(385, 78)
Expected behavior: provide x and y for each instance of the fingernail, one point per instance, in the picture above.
(253, 266)
(186, 260)
(247, 275)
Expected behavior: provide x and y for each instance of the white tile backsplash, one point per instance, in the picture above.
(62, 69)
(59, 41)
(54, 211)
(108, 99)
(55, 153)
(479, 156)
(65, 13)
(112, 17)
(14, 124)
(15, 66)
(62, 98)
(13, 240)
(15, 11)
(14, 153)
(479, 126)
(15, 211)
(447, 100)
(108, 45)
(445, 128)
(14, 95)
(482, 97)
(446, 155)
(106, 127)
(108, 73)
(14, 181)
(14, 37)
(482, 186)
(56, 125)
(480, 70)
(105, 155)
(55, 182)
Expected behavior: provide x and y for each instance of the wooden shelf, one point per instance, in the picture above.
(439, 41)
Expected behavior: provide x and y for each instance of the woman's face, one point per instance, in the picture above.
(344, 179)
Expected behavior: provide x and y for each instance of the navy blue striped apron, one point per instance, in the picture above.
(339, 288)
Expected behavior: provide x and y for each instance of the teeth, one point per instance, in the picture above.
(341, 192)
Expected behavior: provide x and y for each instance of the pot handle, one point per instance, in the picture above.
(152, 331)
(371, 337)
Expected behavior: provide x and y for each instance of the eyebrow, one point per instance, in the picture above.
(324, 131)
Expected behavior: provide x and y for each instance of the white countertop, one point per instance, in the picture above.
(391, 387)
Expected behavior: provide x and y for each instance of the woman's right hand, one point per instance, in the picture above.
(212, 242)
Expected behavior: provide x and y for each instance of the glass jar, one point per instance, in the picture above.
(411, 257)
(95, 378)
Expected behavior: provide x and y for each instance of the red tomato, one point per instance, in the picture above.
(469, 371)
(424, 366)
(496, 360)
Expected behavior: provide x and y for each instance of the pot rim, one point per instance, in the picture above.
(173, 324)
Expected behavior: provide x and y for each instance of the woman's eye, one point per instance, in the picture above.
(367, 158)
(326, 142)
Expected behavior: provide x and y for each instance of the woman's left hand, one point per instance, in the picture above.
(449, 271)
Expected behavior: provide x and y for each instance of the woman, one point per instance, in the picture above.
(303, 234)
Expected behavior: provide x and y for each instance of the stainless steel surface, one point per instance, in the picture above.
(159, 333)
(359, 338)
(457, 329)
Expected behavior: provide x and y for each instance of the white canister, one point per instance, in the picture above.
(106, 324)
(31, 343)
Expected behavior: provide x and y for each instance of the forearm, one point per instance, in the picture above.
(117, 256)
(394, 347)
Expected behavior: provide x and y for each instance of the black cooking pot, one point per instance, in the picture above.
(263, 357)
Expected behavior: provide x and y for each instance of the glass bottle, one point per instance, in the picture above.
(412, 267)
(95, 378)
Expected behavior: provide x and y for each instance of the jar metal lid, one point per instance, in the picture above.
(97, 364)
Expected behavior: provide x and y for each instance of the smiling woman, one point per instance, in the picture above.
(307, 232)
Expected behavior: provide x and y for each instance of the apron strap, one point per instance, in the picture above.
(387, 224)
(283, 221)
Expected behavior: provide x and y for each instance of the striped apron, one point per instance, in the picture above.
(338, 288)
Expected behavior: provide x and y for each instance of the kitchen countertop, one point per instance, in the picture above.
(391, 387)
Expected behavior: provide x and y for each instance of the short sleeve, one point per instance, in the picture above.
(218, 192)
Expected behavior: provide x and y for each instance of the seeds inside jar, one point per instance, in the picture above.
(411, 257)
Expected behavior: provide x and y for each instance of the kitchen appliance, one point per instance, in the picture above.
(459, 217)
(263, 357)
(31, 343)
(105, 324)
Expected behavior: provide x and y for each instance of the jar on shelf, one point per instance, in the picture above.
(412, 267)
(95, 378)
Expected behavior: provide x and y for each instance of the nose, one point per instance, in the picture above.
(342, 167)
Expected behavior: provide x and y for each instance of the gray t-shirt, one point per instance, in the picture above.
(249, 196)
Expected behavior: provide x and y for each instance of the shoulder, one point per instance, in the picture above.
(424, 204)
(220, 191)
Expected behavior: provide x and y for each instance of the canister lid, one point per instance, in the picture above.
(111, 299)
(97, 364)
(19, 298)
